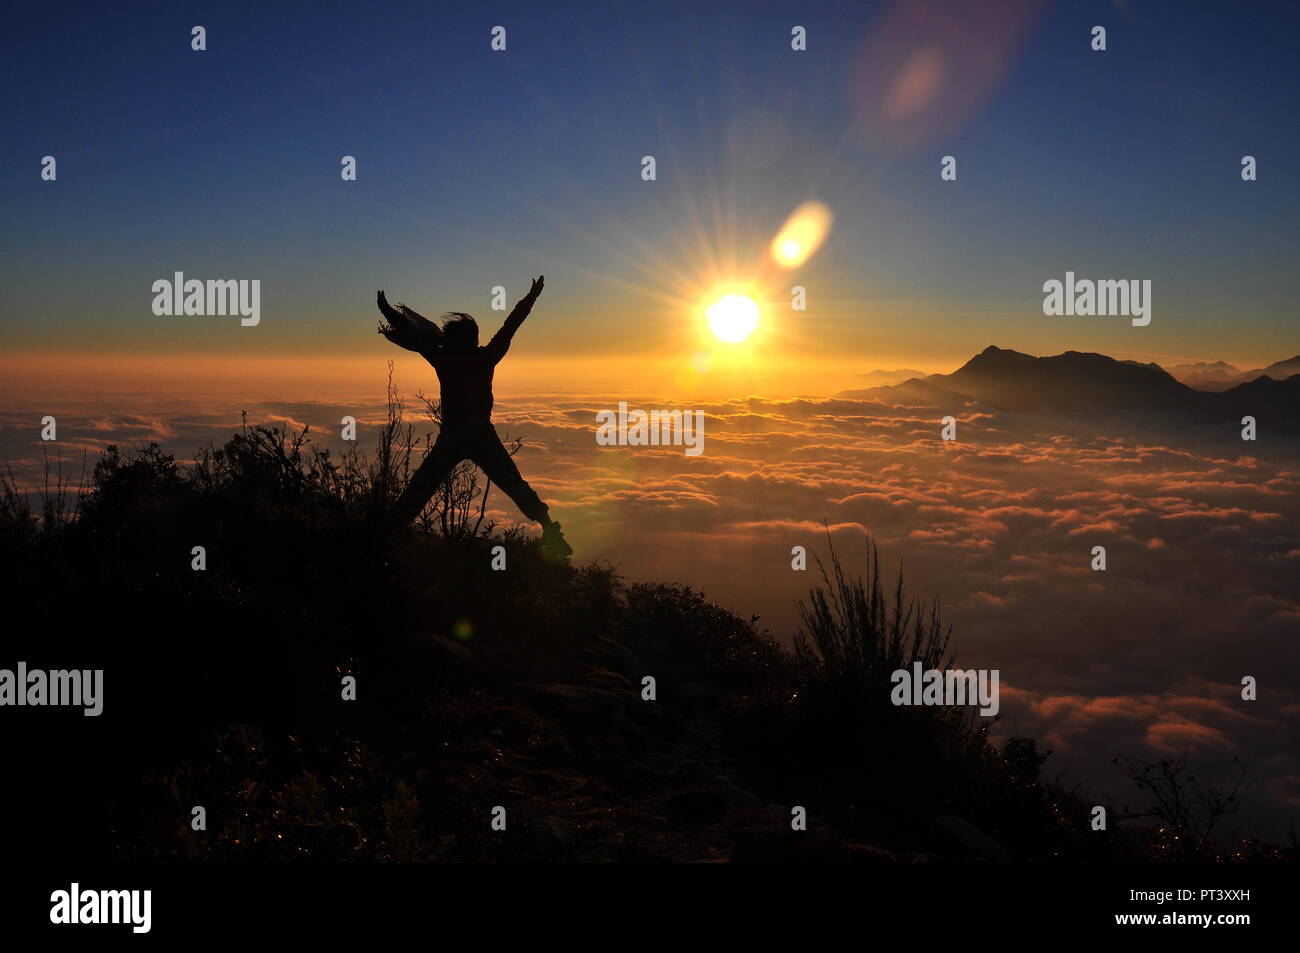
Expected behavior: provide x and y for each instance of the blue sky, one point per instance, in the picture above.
(478, 168)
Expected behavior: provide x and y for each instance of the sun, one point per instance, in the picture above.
(733, 317)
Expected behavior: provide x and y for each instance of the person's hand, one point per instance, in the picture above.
(538, 284)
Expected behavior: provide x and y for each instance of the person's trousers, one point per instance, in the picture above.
(480, 444)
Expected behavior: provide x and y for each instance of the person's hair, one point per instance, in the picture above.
(460, 330)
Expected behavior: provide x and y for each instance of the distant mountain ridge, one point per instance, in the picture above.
(1220, 375)
(1078, 383)
(877, 377)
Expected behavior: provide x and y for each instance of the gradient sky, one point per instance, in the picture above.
(478, 168)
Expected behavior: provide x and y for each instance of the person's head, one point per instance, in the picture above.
(459, 331)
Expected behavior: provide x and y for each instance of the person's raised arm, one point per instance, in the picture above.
(407, 328)
(500, 343)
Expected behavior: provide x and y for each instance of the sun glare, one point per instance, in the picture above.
(733, 317)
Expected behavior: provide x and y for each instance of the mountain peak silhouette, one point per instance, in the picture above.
(1085, 383)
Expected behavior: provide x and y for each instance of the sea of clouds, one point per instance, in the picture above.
(1145, 659)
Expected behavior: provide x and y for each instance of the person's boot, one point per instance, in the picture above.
(553, 540)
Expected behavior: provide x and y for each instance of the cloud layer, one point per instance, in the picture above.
(1146, 658)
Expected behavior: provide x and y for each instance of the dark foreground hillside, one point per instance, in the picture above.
(475, 689)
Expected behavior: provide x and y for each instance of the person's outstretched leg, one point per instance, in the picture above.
(494, 459)
(437, 466)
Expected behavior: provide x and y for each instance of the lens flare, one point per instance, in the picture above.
(801, 235)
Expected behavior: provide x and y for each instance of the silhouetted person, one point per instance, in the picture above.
(465, 376)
